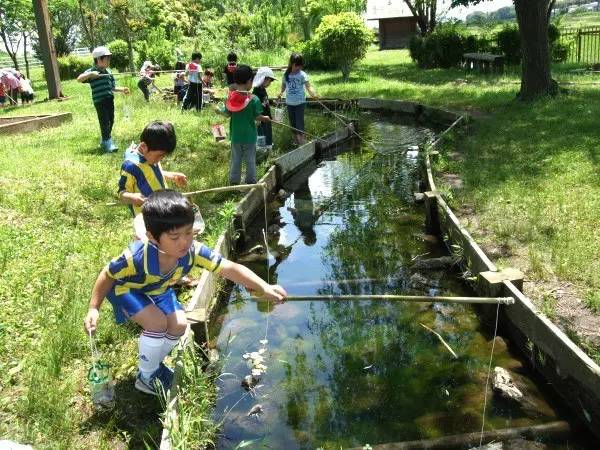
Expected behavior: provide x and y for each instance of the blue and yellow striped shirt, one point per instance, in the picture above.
(138, 269)
(137, 176)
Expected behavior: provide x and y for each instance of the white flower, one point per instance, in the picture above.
(264, 341)
(246, 355)
(367, 447)
(262, 350)
(256, 372)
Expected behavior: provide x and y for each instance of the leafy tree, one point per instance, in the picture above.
(16, 24)
(130, 18)
(65, 21)
(425, 11)
(533, 17)
(344, 39)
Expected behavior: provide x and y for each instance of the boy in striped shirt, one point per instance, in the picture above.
(141, 172)
(103, 87)
(139, 283)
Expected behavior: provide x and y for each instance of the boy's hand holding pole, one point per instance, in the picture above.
(178, 178)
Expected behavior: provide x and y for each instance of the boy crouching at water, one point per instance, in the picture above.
(141, 173)
(139, 283)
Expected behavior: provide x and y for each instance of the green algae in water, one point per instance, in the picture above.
(342, 374)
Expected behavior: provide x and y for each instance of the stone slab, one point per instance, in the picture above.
(26, 124)
(390, 105)
(295, 159)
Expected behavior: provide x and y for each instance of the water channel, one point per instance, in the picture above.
(344, 374)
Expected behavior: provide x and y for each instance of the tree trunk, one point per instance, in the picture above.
(536, 80)
(130, 51)
(25, 55)
(8, 45)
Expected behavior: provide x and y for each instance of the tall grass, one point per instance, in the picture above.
(55, 236)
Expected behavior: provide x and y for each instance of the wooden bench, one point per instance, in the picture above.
(484, 62)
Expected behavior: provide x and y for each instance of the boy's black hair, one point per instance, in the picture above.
(243, 74)
(159, 135)
(232, 57)
(179, 65)
(165, 211)
(196, 55)
(209, 72)
(101, 57)
(295, 58)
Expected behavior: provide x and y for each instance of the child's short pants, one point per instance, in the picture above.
(131, 303)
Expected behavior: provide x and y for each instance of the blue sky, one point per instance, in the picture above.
(487, 6)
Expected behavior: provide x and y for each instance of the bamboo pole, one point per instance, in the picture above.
(404, 298)
(237, 187)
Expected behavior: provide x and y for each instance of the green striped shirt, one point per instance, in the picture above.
(101, 87)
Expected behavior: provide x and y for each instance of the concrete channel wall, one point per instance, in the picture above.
(572, 374)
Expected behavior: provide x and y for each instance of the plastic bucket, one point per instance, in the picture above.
(206, 97)
(278, 114)
(101, 385)
(261, 141)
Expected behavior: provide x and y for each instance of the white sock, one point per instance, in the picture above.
(168, 343)
(150, 352)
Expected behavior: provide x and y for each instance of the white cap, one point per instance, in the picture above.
(99, 52)
(261, 74)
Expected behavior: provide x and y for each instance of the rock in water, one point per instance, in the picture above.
(504, 385)
(418, 281)
(273, 229)
(256, 410)
(249, 382)
(443, 262)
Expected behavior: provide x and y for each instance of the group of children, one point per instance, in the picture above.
(12, 85)
(139, 282)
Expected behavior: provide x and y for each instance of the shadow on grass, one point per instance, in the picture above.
(135, 416)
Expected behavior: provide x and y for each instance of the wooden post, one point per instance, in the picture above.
(42, 19)
(432, 217)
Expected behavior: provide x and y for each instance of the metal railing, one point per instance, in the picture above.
(583, 43)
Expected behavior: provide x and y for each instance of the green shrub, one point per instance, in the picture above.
(70, 66)
(120, 54)
(509, 44)
(560, 52)
(313, 56)
(343, 39)
(158, 49)
(442, 48)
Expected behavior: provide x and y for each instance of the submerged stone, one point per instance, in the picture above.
(504, 385)
(443, 262)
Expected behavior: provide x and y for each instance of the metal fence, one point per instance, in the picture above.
(583, 44)
(33, 62)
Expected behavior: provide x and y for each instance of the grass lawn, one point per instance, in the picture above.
(580, 19)
(531, 179)
(55, 236)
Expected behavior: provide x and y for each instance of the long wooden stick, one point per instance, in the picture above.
(441, 340)
(237, 187)
(296, 129)
(405, 298)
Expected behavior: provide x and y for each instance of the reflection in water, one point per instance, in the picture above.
(350, 373)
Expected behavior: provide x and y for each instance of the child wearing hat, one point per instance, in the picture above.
(244, 109)
(262, 80)
(103, 87)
